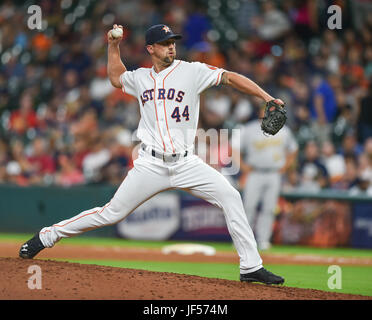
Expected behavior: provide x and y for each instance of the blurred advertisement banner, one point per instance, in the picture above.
(302, 221)
(362, 225)
(175, 215)
(201, 221)
(321, 223)
(156, 219)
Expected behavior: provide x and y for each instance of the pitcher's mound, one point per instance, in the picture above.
(64, 280)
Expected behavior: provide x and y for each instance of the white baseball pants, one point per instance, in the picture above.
(150, 176)
(263, 186)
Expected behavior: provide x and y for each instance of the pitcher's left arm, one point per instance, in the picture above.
(246, 85)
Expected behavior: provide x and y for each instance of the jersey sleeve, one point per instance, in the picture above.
(128, 83)
(207, 76)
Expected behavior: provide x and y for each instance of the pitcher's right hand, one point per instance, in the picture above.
(111, 39)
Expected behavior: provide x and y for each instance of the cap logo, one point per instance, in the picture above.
(166, 29)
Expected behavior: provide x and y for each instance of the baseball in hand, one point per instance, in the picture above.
(117, 32)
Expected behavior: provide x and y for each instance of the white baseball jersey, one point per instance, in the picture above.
(169, 102)
(265, 152)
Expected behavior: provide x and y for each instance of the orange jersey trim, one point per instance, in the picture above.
(166, 121)
(87, 214)
(156, 111)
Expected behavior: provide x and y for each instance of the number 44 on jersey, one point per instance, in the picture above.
(177, 116)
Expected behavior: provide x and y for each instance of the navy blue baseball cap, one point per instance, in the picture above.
(159, 33)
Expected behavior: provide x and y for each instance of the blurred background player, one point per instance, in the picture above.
(263, 161)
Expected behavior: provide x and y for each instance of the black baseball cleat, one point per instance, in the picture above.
(263, 276)
(31, 248)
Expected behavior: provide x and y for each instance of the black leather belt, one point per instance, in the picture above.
(165, 157)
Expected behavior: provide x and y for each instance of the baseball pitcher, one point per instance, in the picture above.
(168, 96)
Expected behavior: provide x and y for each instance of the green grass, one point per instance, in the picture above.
(219, 246)
(84, 240)
(210, 270)
(355, 280)
(337, 252)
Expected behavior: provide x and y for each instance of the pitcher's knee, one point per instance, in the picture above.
(231, 195)
(114, 212)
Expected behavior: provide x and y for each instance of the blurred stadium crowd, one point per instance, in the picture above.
(63, 123)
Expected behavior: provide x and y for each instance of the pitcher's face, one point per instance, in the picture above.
(163, 51)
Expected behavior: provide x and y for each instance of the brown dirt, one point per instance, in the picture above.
(63, 280)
